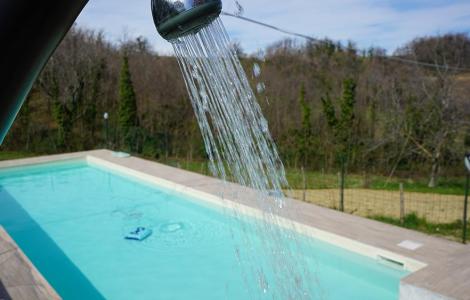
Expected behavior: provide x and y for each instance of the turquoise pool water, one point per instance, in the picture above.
(70, 219)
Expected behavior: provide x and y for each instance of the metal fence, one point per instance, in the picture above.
(398, 202)
(435, 213)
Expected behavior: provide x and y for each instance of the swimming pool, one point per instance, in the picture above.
(70, 219)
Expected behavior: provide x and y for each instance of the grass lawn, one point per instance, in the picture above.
(7, 155)
(319, 180)
(412, 221)
(434, 211)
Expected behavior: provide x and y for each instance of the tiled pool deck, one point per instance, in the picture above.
(442, 267)
(18, 277)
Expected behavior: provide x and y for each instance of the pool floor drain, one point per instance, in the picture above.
(171, 227)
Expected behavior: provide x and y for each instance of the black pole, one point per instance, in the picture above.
(30, 31)
(341, 204)
(106, 124)
(465, 209)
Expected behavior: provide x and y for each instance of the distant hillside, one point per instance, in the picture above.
(448, 49)
(402, 118)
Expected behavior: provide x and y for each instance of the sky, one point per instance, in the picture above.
(380, 23)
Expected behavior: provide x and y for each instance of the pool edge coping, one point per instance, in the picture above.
(41, 286)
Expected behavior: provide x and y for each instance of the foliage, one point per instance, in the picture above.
(7, 155)
(128, 119)
(304, 135)
(342, 126)
(391, 120)
(448, 49)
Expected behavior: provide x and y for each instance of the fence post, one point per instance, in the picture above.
(465, 206)
(341, 186)
(465, 209)
(304, 184)
(106, 129)
(402, 204)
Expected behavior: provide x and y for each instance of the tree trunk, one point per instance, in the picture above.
(434, 172)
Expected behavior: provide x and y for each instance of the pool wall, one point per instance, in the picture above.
(440, 267)
(408, 264)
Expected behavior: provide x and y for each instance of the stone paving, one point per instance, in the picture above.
(19, 278)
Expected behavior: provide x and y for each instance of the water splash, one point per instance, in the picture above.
(234, 128)
(260, 87)
(239, 9)
(256, 70)
(241, 149)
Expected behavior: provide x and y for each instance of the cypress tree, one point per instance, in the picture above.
(306, 112)
(342, 126)
(127, 101)
(330, 113)
(347, 104)
(62, 116)
(305, 135)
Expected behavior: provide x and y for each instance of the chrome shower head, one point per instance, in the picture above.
(176, 18)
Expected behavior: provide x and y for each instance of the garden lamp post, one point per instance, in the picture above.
(106, 127)
(465, 208)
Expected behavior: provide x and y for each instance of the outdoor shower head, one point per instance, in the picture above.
(176, 18)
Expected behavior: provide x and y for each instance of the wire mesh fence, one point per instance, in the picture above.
(400, 202)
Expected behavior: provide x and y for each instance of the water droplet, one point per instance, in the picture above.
(238, 143)
(256, 70)
(260, 87)
(239, 9)
(195, 74)
(177, 41)
(205, 104)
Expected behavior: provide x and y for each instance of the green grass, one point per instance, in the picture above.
(446, 186)
(319, 180)
(412, 221)
(7, 155)
(192, 166)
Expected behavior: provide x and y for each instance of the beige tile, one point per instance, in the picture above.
(19, 276)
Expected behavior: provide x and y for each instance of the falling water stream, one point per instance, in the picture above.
(241, 149)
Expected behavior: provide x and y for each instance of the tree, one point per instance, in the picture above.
(127, 102)
(61, 114)
(403, 120)
(342, 126)
(451, 49)
(304, 136)
(440, 123)
(90, 111)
